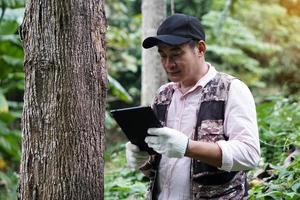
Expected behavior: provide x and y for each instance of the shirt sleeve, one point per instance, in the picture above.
(242, 150)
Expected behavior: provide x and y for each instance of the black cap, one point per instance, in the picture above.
(176, 30)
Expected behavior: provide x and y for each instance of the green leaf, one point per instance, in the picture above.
(14, 14)
(13, 38)
(9, 47)
(7, 117)
(129, 62)
(109, 121)
(296, 187)
(3, 129)
(277, 195)
(9, 182)
(12, 3)
(12, 60)
(3, 103)
(8, 27)
(10, 145)
(118, 90)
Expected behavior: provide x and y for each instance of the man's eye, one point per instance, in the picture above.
(176, 54)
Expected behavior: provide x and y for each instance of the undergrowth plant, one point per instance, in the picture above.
(279, 174)
(120, 181)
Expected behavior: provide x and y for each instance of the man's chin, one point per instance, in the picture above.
(174, 78)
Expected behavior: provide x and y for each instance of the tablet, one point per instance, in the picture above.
(135, 122)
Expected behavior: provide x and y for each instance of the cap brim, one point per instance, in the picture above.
(166, 39)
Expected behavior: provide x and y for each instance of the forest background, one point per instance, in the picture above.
(255, 40)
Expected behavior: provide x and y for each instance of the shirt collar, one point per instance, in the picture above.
(211, 73)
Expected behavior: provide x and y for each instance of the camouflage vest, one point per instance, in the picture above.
(207, 182)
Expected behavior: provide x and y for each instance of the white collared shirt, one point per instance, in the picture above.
(240, 152)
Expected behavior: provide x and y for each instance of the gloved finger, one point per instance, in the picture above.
(132, 147)
(153, 145)
(159, 131)
(160, 151)
(152, 140)
(135, 160)
(131, 161)
(132, 164)
(152, 131)
(155, 131)
(142, 155)
(157, 148)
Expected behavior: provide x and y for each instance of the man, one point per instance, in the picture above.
(210, 133)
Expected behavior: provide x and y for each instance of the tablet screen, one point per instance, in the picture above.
(135, 122)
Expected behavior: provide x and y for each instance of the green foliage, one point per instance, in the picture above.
(197, 8)
(273, 23)
(123, 50)
(118, 90)
(233, 50)
(3, 103)
(8, 185)
(10, 151)
(283, 184)
(11, 53)
(11, 92)
(11, 20)
(279, 128)
(11, 4)
(9, 145)
(121, 182)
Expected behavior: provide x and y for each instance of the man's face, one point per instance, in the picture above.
(180, 62)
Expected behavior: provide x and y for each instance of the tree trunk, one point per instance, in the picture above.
(153, 74)
(64, 100)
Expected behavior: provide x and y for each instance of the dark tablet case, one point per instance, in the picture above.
(135, 122)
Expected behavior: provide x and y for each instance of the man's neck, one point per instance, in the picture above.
(187, 85)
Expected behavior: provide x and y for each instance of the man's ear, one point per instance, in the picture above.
(201, 47)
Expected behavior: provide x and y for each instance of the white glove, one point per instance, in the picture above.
(134, 156)
(167, 141)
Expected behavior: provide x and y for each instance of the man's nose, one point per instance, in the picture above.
(170, 62)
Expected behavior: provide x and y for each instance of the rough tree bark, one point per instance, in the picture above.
(64, 100)
(153, 75)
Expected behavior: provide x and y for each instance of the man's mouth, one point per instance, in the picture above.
(174, 73)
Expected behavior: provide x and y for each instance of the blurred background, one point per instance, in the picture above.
(255, 40)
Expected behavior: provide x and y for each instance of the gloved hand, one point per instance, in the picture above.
(134, 156)
(167, 141)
